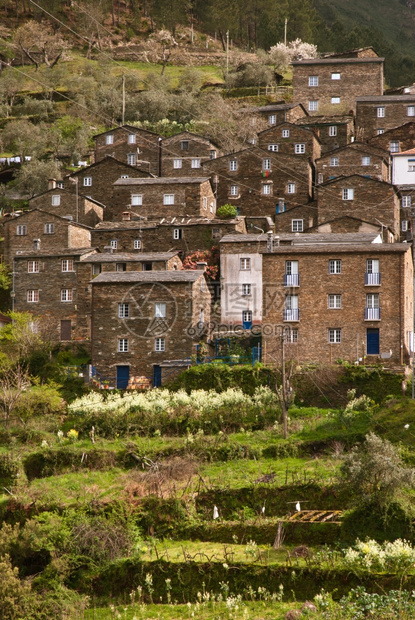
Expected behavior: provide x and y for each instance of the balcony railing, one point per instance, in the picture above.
(292, 280)
(372, 314)
(292, 314)
(372, 279)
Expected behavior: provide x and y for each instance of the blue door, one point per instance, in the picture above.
(156, 376)
(123, 375)
(372, 342)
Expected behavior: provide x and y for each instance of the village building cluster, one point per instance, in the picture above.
(318, 256)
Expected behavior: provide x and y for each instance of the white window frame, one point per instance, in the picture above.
(96, 269)
(273, 147)
(372, 265)
(87, 181)
(335, 266)
(410, 110)
(411, 167)
(123, 345)
(32, 296)
(394, 146)
(334, 162)
(379, 132)
(49, 228)
(380, 111)
(177, 163)
(195, 162)
(365, 161)
(233, 165)
(114, 244)
(21, 230)
(132, 138)
(332, 131)
(160, 310)
(177, 233)
(212, 154)
(372, 301)
(313, 105)
(246, 289)
(33, 266)
(334, 335)
(67, 265)
(404, 225)
(132, 159)
(66, 295)
(234, 190)
(292, 335)
(285, 133)
(123, 310)
(290, 188)
(137, 244)
(335, 100)
(297, 225)
(266, 189)
(272, 119)
(336, 76)
(245, 264)
(109, 139)
(313, 80)
(299, 149)
(56, 200)
(334, 301)
(348, 193)
(247, 316)
(160, 345)
(136, 200)
(168, 199)
(406, 201)
(266, 164)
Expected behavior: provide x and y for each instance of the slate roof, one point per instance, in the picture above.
(170, 277)
(108, 257)
(162, 181)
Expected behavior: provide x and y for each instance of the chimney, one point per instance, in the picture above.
(126, 216)
(108, 249)
(269, 241)
(51, 183)
(202, 266)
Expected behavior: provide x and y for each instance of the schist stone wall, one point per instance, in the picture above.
(66, 204)
(290, 139)
(333, 132)
(375, 115)
(276, 113)
(296, 220)
(184, 153)
(396, 140)
(331, 85)
(134, 146)
(367, 199)
(341, 312)
(163, 316)
(354, 158)
(182, 234)
(163, 197)
(44, 231)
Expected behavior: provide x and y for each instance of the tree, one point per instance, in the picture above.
(11, 83)
(22, 138)
(33, 176)
(14, 380)
(211, 257)
(39, 44)
(281, 55)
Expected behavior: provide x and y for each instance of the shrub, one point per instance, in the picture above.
(9, 470)
(227, 211)
(40, 400)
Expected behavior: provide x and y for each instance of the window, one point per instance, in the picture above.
(272, 119)
(177, 163)
(87, 181)
(380, 112)
(291, 267)
(335, 76)
(137, 244)
(32, 296)
(66, 294)
(394, 147)
(234, 190)
(410, 110)
(96, 270)
(184, 145)
(372, 300)
(291, 312)
(320, 178)
(334, 161)
(123, 311)
(406, 201)
(365, 161)
(56, 200)
(335, 302)
(160, 310)
(285, 133)
(49, 229)
(212, 154)
(160, 344)
(67, 264)
(266, 189)
(21, 230)
(292, 334)
(121, 267)
(114, 244)
(333, 130)
(168, 199)
(196, 163)
(411, 167)
(147, 266)
(247, 316)
(204, 202)
(233, 165)
(273, 147)
(125, 176)
(246, 289)
(380, 131)
(122, 345)
(313, 80)
(177, 233)
(36, 244)
(131, 138)
(266, 164)
(335, 335)
(297, 225)
(347, 193)
(299, 149)
(33, 266)
(136, 200)
(109, 139)
(245, 264)
(312, 106)
(216, 233)
(131, 159)
(60, 184)
(404, 225)
(291, 188)
(335, 266)
(335, 99)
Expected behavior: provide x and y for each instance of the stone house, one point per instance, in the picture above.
(141, 319)
(276, 113)
(355, 158)
(46, 284)
(37, 230)
(360, 197)
(377, 114)
(329, 86)
(397, 139)
(349, 224)
(163, 197)
(185, 235)
(131, 145)
(296, 220)
(184, 153)
(259, 182)
(96, 180)
(70, 205)
(290, 139)
(333, 132)
(350, 302)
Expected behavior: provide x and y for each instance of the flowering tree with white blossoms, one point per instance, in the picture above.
(281, 55)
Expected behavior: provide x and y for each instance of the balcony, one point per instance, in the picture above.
(372, 279)
(372, 314)
(292, 280)
(292, 314)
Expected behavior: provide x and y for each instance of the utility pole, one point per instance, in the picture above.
(285, 32)
(123, 100)
(227, 52)
(284, 387)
